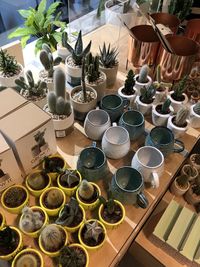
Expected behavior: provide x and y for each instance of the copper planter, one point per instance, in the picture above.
(170, 21)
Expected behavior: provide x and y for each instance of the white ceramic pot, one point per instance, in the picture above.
(159, 119)
(10, 81)
(177, 131)
(100, 86)
(62, 51)
(160, 96)
(139, 85)
(145, 109)
(194, 118)
(131, 98)
(73, 72)
(111, 75)
(177, 104)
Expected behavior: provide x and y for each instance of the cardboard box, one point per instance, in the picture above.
(10, 100)
(9, 170)
(30, 132)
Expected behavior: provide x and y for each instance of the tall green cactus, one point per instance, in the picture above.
(59, 82)
(181, 116)
(143, 74)
(165, 106)
(92, 68)
(180, 88)
(196, 108)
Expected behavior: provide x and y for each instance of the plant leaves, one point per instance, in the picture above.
(52, 8)
(25, 13)
(24, 40)
(22, 32)
(57, 36)
(42, 6)
(59, 24)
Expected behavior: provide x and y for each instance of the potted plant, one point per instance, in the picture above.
(94, 77)
(52, 200)
(144, 101)
(142, 79)
(28, 257)
(62, 51)
(52, 239)
(40, 23)
(74, 61)
(71, 216)
(35, 92)
(195, 160)
(192, 196)
(195, 115)
(128, 90)
(111, 212)
(68, 181)
(10, 242)
(109, 63)
(10, 70)
(15, 198)
(74, 255)
(88, 194)
(161, 112)
(92, 234)
(32, 220)
(2, 220)
(179, 123)
(177, 96)
(37, 181)
(59, 106)
(180, 185)
(83, 98)
(190, 171)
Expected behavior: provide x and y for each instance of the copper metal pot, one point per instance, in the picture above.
(168, 20)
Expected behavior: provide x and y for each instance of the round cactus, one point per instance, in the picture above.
(27, 260)
(52, 238)
(143, 74)
(54, 198)
(86, 190)
(36, 181)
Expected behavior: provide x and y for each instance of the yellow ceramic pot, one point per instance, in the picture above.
(28, 251)
(75, 228)
(46, 220)
(94, 248)
(54, 175)
(18, 248)
(111, 225)
(89, 206)
(51, 212)
(69, 191)
(37, 193)
(56, 253)
(18, 209)
(3, 220)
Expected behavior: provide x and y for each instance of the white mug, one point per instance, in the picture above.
(149, 161)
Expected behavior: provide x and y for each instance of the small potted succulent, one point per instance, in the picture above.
(195, 115)
(142, 79)
(74, 61)
(68, 181)
(111, 212)
(59, 106)
(109, 63)
(195, 161)
(144, 101)
(128, 90)
(2, 220)
(48, 63)
(15, 198)
(74, 255)
(10, 242)
(52, 200)
(92, 234)
(161, 112)
(83, 98)
(179, 123)
(88, 194)
(62, 51)
(177, 95)
(10, 70)
(28, 257)
(180, 185)
(35, 92)
(37, 182)
(52, 239)
(192, 196)
(190, 171)
(71, 216)
(32, 220)
(94, 77)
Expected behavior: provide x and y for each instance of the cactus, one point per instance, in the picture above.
(110, 204)
(14, 197)
(159, 83)
(93, 231)
(70, 178)
(92, 68)
(36, 181)
(72, 257)
(86, 190)
(182, 181)
(129, 83)
(64, 39)
(30, 221)
(78, 53)
(180, 8)
(108, 56)
(47, 60)
(59, 82)
(165, 106)
(52, 238)
(181, 116)
(54, 198)
(196, 108)
(179, 89)
(143, 74)
(8, 64)
(147, 94)
(27, 260)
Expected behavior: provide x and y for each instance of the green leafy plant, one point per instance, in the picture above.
(40, 23)
(72, 257)
(92, 68)
(8, 64)
(108, 56)
(181, 116)
(180, 8)
(129, 83)
(147, 94)
(179, 88)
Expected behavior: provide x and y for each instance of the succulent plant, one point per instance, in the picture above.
(182, 180)
(109, 204)
(181, 116)
(72, 257)
(52, 165)
(52, 237)
(37, 181)
(196, 108)
(159, 83)
(143, 74)
(78, 53)
(31, 220)
(108, 56)
(86, 190)
(27, 260)
(179, 88)
(165, 106)
(8, 239)
(92, 68)
(70, 177)
(129, 83)
(47, 60)
(14, 197)
(147, 94)
(54, 198)
(8, 64)
(93, 231)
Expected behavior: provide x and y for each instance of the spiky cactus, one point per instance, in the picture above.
(78, 53)
(143, 74)
(26, 260)
(181, 116)
(108, 56)
(92, 68)
(93, 231)
(52, 237)
(71, 257)
(8, 64)
(47, 60)
(165, 106)
(70, 178)
(196, 108)
(86, 190)
(147, 94)
(31, 220)
(129, 83)
(179, 88)
(54, 198)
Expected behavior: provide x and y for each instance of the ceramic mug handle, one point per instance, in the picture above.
(180, 144)
(142, 201)
(154, 180)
